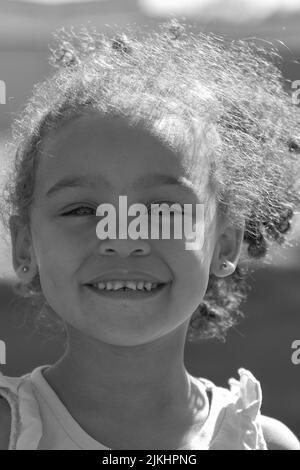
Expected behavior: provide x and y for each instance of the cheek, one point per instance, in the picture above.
(190, 270)
(57, 271)
(57, 236)
(56, 253)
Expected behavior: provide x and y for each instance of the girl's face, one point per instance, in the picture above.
(114, 159)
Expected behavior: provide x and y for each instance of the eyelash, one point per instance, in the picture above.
(76, 209)
(168, 202)
(148, 207)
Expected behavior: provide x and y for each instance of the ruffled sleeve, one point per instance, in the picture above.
(241, 427)
(248, 404)
(26, 425)
(8, 391)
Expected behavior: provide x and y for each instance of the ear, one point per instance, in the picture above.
(22, 251)
(227, 248)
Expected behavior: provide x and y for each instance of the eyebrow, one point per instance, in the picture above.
(147, 181)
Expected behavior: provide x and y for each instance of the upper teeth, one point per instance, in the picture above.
(116, 285)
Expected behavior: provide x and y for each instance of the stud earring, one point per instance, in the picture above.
(227, 264)
(25, 269)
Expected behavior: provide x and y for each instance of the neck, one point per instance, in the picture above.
(110, 378)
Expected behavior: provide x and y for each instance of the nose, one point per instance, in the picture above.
(124, 248)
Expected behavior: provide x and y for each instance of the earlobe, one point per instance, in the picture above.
(227, 251)
(22, 256)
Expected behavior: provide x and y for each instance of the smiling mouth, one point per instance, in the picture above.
(127, 292)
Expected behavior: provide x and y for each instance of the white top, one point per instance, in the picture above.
(40, 421)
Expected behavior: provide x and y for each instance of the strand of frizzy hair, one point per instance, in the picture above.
(272, 218)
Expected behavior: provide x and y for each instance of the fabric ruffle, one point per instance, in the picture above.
(25, 433)
(241, 427)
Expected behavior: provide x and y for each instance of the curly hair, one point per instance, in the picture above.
(178, 84)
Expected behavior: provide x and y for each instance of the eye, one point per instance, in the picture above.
(76, 209)
(165, 202)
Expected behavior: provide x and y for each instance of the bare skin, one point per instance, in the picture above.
(123, 376)
(132, 411)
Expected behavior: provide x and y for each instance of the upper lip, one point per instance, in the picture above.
(126, 276)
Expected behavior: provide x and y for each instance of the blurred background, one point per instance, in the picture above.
(263, 340)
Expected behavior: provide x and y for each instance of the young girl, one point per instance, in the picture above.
(173, 117)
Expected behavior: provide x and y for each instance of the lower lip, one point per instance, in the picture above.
(130, 294)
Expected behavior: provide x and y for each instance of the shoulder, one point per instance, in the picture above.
(277, 435)
(5, 424)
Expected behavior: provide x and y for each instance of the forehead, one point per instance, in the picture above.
(110, 146)
(109, 131)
